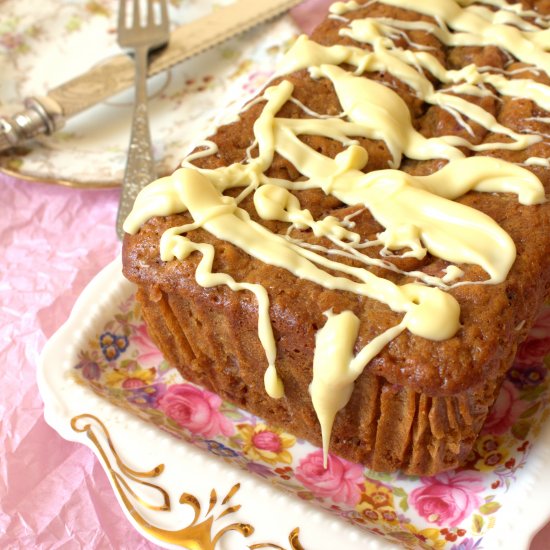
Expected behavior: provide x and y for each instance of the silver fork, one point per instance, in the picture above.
(140, 167)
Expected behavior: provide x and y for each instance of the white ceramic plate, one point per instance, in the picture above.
(105, 385)
(43, 44)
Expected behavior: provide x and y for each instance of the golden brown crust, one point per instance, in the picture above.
(419, 404)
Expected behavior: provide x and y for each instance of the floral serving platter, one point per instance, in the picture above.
(90, 151)
(192, 471)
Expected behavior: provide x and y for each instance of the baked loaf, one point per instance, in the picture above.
(373, 231)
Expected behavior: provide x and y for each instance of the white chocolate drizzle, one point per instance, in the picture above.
(419, 213)
(537, 161)
(335, 368)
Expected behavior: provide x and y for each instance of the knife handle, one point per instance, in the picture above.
(140, 166)
(41, 116)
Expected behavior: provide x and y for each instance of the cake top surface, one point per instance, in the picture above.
(374, 112)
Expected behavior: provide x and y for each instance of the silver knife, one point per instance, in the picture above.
(46, 114)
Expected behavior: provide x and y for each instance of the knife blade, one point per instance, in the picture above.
(46, 114)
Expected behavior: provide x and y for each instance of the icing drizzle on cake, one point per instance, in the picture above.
(419, 213)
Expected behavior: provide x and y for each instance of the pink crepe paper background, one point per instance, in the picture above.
(53, 240)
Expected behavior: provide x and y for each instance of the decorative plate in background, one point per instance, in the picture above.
(192, 471)
(43, 44)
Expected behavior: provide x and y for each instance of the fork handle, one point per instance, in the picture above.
(140, 167)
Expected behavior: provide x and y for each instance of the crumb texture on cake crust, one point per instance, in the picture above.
(419, 404)
(395, 428)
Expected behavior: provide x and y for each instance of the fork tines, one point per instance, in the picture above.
(161, 13)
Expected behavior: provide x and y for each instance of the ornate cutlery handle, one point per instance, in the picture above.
(140, 167)
(42, 115)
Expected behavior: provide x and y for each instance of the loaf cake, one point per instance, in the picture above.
(357, 257)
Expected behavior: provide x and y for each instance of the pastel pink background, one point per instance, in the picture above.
(53, 240)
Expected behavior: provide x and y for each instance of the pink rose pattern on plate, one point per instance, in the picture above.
(506, 410)
(340, 481)
(149, 354)
(196, 410)
(452, 510)
(537, 343)
(448, 498)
